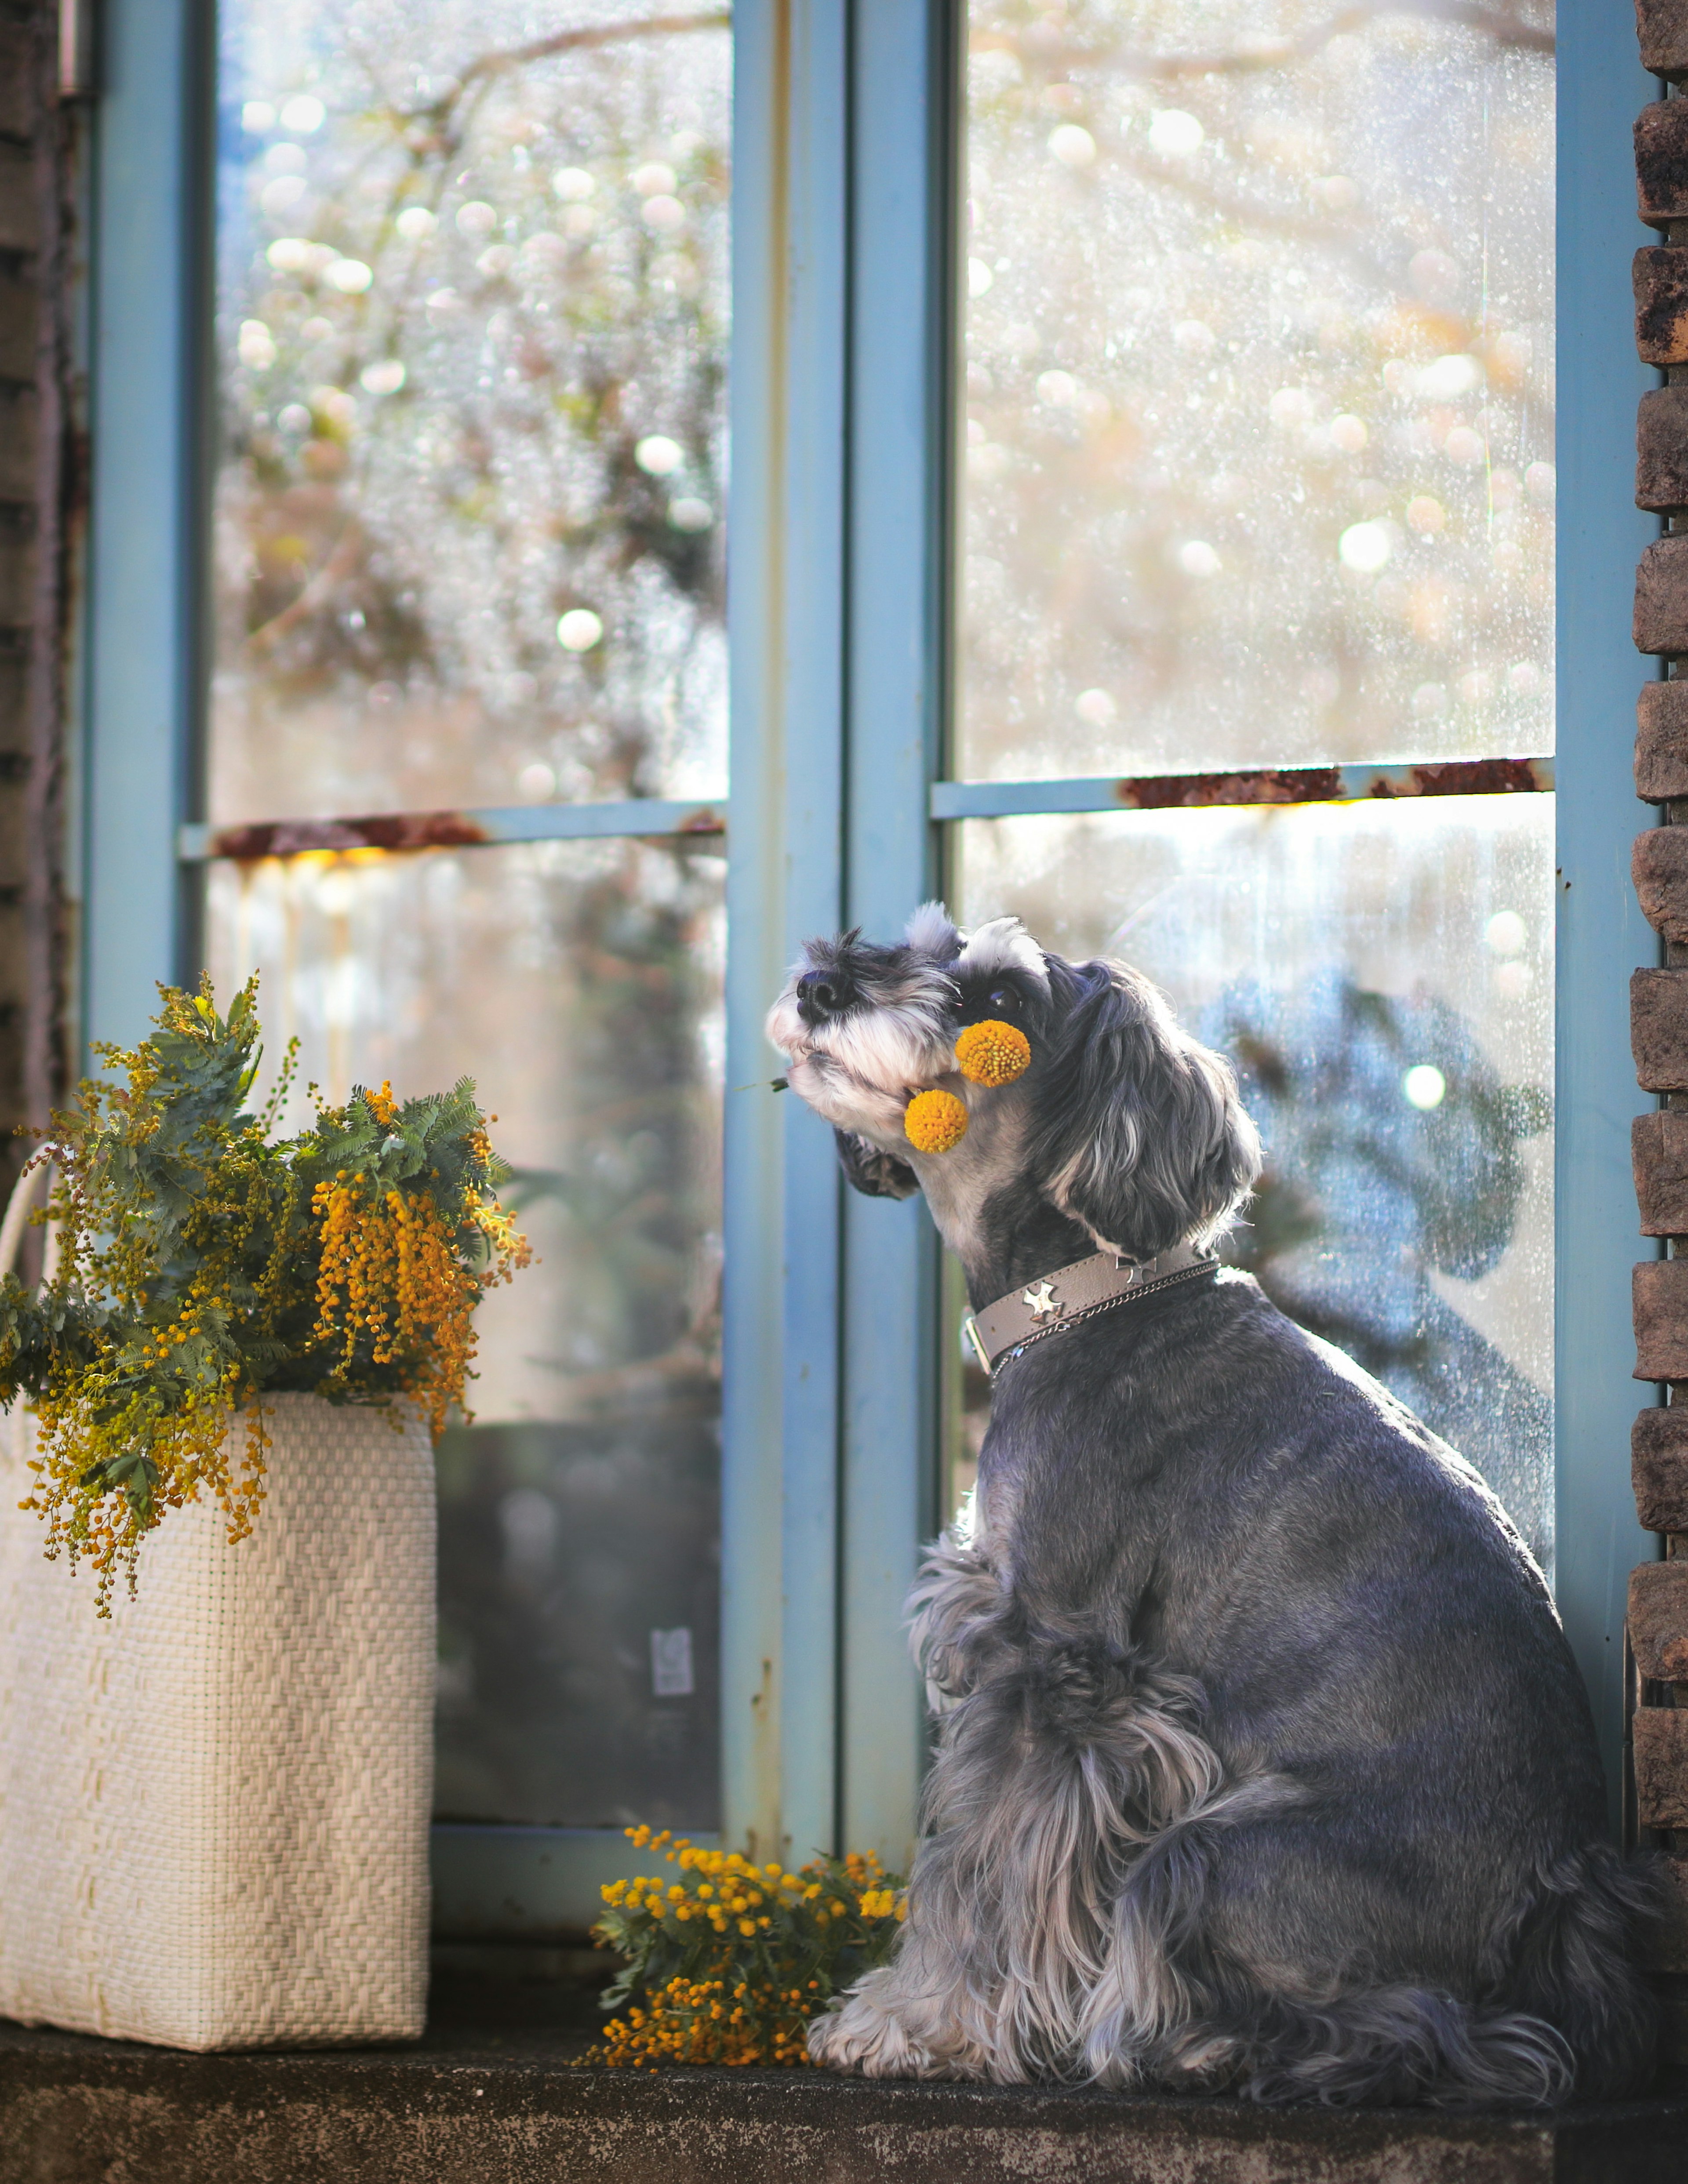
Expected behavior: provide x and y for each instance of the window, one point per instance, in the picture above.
(467, 556)
(1089, 559)
(1257, 511)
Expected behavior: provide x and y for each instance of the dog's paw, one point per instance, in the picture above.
(864, 2038)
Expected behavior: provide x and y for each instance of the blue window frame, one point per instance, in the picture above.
(845, 127)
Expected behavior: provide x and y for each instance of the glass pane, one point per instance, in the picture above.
(471, 340)
(1382, 977)
(579, 984)
(1259, 346)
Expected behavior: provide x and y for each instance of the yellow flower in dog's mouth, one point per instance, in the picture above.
(993, 1052)
(935, 1121)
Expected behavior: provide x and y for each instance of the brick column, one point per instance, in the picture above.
(40, 521)
(1658, 1680)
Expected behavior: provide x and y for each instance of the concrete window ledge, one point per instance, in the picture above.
(504, 2106)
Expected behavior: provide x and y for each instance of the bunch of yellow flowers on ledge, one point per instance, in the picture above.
(734, 1958)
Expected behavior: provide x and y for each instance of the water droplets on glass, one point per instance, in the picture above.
(1381, 977)
(469, 260)
(580, 1510)
(1259, 420)
(469, 513)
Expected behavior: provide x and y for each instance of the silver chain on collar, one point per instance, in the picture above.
(1071, 1296)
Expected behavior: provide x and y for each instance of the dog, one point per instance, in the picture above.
(1263, 1762)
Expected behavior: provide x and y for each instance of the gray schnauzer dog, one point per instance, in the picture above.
(1264, 1763)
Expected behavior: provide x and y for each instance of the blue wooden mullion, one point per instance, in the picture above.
(1601, 934)
(142, 655)
(902, 69)
(785, 881)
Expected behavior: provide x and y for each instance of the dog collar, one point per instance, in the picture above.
(1056, 1301)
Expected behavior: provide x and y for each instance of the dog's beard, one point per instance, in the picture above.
(860, 1070)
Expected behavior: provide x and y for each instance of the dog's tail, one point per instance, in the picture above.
(1396, 2047)
(1561, 2011)
(1570, 1954)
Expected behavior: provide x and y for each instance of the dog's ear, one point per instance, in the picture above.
(874, 1174)
(932, 932)
(1139, 1133)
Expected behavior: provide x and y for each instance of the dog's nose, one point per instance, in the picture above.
(823, 994)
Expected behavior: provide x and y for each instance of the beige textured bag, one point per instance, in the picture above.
(213, 1808)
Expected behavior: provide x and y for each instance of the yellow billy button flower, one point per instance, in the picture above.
(764, 1950)
(993, 1052)
(935, 1121)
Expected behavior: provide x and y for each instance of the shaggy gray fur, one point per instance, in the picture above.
(1264, 1763)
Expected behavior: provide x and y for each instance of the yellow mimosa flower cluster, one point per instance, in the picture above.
(991, 1053)
(203, 1263)
(389, 1266)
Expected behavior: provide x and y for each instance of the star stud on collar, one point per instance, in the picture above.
(1040, 1296)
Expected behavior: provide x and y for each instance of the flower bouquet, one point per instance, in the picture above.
(215, 1794)
(203, 1264)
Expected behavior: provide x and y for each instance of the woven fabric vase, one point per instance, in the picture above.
(213, 1808)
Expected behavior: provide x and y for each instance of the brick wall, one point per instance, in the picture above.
(1658, 1591)
(40, 489)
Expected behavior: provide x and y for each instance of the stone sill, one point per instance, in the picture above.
(489, 2096)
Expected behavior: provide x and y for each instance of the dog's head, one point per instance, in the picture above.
(1121, 1124)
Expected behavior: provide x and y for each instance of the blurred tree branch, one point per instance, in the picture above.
(1504, 25)
(1271, 219)
(317, 590)
(578, 40)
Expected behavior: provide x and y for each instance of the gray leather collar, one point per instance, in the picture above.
(1071, 1294)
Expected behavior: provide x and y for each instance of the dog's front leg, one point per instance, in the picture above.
(912, 2018)
(985, 1980)
(1053, 1770)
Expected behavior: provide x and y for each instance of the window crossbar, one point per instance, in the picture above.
(450, 830)
(1312, 784)
(655, 816)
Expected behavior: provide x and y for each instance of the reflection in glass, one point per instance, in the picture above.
(472, 339)
(1259, 433)
(579, 984)
(1381, 976)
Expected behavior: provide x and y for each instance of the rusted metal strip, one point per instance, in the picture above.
(1313, 784)
(450, 830)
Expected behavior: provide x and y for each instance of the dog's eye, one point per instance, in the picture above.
(1003, 999)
